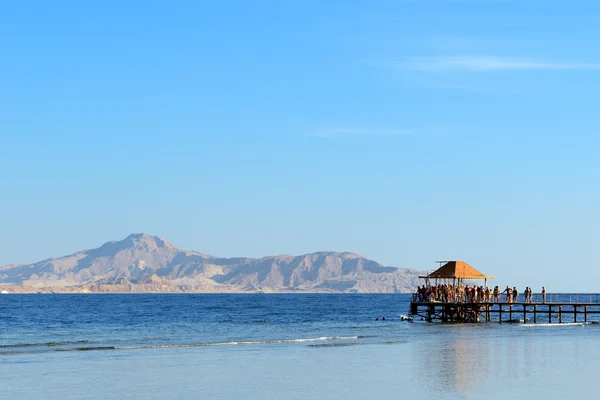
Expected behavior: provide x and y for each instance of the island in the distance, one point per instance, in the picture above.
(143, 263)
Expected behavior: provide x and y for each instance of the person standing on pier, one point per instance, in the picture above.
(543, 295)
(496, 294)
(530, 295)
(508, 294)
(515, 295)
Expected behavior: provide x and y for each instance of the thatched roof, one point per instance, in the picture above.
(457, 270)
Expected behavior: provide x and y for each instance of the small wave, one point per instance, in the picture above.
(242, 342)
(559, 324)
(334, 345)
(65, 345)
(45, 344)
(89, 348)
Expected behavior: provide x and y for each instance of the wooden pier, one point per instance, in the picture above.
(460, 312)
(445, 298)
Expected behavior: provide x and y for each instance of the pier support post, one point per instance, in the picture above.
(584, 313)
(430, 312)
(500, 305)
(574, 313)
(560, 314)
(549, 314)
(534, 314)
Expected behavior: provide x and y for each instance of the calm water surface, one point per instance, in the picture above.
(313, 346)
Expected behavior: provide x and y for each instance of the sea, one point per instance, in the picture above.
(279, 346)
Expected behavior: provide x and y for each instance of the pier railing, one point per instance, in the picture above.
(563, 298)
(574, 298)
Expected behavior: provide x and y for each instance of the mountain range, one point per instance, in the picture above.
(147, 263)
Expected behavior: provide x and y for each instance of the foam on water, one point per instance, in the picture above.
(555, 325)
(64, 346)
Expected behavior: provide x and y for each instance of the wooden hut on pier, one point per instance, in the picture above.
(455, 310)
(457, 271)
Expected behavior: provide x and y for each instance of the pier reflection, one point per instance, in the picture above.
(495, 361)
(457, 363)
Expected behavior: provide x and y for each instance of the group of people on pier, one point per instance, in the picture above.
(447, 293)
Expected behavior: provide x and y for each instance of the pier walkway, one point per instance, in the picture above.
(581, 308)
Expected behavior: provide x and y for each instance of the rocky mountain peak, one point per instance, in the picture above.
(136, 242)
(144, 262)
(148, 241)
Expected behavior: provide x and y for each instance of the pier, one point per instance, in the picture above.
(455, 304)
(461, 312)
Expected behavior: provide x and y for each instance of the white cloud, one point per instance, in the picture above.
(488, 63)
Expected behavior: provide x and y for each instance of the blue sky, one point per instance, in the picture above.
(406, 131)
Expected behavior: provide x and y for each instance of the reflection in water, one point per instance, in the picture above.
(491, 361)
(457, 363)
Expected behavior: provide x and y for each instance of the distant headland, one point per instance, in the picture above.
(143, 263)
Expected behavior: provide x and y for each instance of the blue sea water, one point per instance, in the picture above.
(269, 346)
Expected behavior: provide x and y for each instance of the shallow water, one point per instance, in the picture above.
(313, 346)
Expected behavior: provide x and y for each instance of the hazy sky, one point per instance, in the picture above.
(406, 131)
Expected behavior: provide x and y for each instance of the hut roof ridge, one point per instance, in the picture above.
(457, 270)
